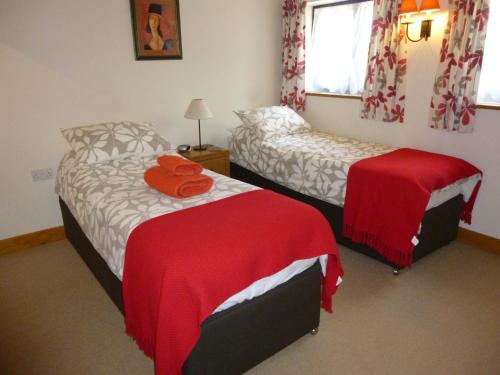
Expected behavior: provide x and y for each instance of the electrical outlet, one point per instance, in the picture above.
(42, 174)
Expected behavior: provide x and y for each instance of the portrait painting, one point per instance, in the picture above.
(157, 29)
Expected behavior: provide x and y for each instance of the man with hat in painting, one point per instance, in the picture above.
(153, 27)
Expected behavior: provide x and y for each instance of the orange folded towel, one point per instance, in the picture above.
(177, 186)
(179, 166)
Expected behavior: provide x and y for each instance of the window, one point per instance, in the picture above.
(340, 37)
(489, 83)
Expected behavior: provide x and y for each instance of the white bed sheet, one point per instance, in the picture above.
(267, 283)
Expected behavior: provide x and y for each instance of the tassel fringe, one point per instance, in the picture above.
(397, 256)
(146, 344)
(466, 214)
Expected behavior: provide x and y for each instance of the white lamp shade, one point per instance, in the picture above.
(198, 110)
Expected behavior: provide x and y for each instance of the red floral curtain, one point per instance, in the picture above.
(383, 96)
(453, 104)
(293, 58)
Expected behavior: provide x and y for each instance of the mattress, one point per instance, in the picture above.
(110, 199)
(316, 163)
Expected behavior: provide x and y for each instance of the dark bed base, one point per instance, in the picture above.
(236, 339)
(439, 225)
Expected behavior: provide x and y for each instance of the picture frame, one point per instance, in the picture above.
(156, 26)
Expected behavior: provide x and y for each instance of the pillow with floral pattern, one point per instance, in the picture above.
(114, 140)
(274, 121)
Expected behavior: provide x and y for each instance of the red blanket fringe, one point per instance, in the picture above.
(466, 214)
(396, 256)
(143, 342)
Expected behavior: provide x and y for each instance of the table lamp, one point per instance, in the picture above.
(198, 110)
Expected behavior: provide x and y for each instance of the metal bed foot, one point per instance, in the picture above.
(314, 331)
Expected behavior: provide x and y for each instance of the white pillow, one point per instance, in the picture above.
(114, 140)
(274, 121)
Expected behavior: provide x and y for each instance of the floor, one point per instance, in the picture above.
(441, 317)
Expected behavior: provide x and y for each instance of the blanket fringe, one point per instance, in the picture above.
(466, 214)
(397, 256)
(145, 344)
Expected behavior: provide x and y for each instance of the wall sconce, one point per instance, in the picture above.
(409, 7)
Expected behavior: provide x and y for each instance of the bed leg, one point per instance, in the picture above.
(314, 331)
(395, 271)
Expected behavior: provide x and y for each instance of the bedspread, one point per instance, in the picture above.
(312, 163)
(111, 198)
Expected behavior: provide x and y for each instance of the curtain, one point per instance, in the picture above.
(293, 58)
(383, 96)
(339, 47)
(453, 104)
(489, 85)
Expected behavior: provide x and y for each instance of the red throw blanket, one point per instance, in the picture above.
(181, 266)
(387, 195)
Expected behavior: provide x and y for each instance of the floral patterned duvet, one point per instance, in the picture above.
(110, 199)
(316, 163)
(312, 163)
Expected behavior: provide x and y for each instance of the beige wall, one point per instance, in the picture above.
(482, 148)
(69, 63)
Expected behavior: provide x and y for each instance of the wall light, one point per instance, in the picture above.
(409, 7)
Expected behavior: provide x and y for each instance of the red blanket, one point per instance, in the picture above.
(387, 196)
(181, 266)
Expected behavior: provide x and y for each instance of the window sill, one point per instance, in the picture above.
(495, 107)
(332, 95)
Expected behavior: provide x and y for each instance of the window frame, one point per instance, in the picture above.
(332, 3)
(487, 105)
(495, 107)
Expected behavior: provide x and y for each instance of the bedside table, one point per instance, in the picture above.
(214, 158)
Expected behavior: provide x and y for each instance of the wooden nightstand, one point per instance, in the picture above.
(214, 158)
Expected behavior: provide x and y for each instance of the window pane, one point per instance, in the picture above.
(489, 83)
(339, 48)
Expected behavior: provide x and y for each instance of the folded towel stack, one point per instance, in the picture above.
(178, 177)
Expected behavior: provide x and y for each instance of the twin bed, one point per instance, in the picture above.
(313, 166)
(104, 200)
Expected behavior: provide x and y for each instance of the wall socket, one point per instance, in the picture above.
(42, 174)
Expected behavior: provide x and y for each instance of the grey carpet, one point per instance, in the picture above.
(441, 317)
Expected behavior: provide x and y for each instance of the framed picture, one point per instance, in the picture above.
(157, 29)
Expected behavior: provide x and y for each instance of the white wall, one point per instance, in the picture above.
(70, 63)
(482, 147)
